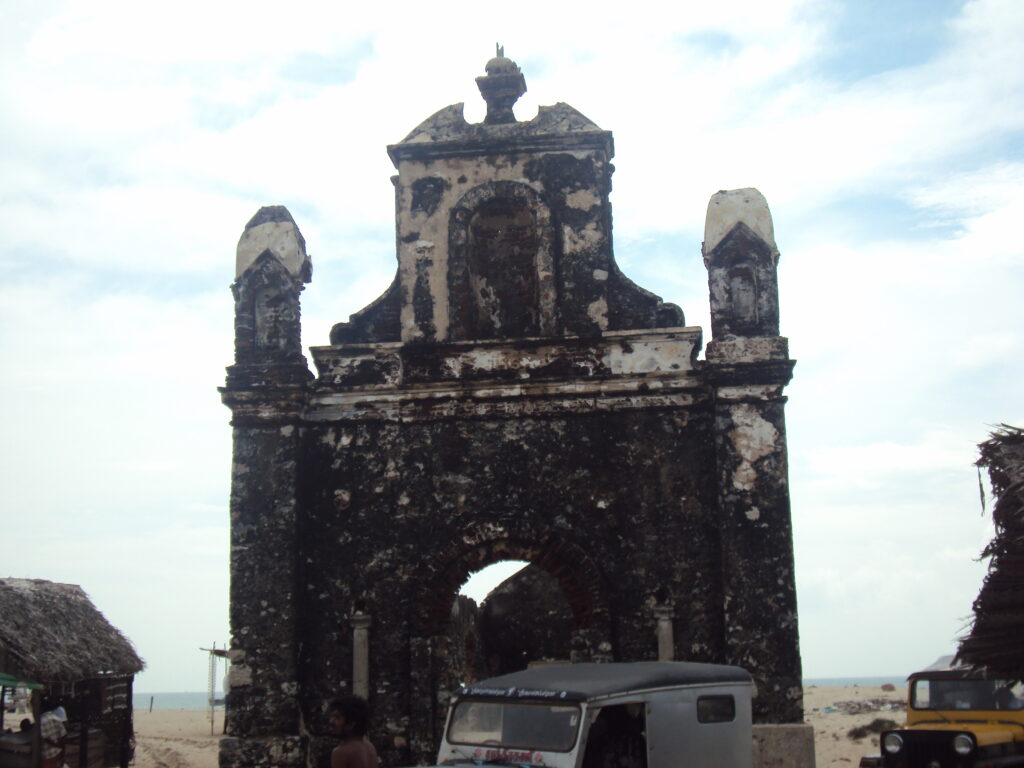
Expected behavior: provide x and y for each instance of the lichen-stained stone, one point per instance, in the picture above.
(729, 207)
(511, 396)
(272, 267)
(273, 229)
(274, 752)
(748, 365)
(742, 259)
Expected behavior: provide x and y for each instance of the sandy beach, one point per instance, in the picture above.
(180, 738)
(833, 713)
(177, 738)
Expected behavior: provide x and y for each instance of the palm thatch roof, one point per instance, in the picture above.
(53, 633)
(994, 640)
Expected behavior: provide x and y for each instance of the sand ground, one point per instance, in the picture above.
(179, 738)
(832, 747)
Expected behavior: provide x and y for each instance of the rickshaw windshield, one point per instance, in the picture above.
(514, 725)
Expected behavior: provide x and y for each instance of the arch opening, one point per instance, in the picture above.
(481, 582)
(525, 620)
(553, 610)
(571, 568)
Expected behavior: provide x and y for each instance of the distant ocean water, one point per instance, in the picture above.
(173, 700)
(197, 700)
(898, 680)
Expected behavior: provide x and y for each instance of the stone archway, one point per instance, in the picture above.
(580, 581)
(523, 620)
(580, 433)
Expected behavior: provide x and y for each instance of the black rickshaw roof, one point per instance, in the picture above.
(580, 682)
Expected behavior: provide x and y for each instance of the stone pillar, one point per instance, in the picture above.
(666, 640)
(361, 654)
(748, 366)
(266, 390)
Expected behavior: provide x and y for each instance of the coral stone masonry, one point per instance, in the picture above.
(511, 395)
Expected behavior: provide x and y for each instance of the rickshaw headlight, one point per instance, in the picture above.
(892, 743)
(963, 744)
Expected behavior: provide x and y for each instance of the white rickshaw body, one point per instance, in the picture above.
(635, 715)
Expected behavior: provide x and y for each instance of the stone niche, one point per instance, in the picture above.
(511, 395)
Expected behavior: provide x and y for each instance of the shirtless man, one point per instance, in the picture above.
(349, 715)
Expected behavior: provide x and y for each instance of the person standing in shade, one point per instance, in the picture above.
(52, 733)
(349, 717)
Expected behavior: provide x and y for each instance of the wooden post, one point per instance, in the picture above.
(83, 742)
(37, 738)
(211, 688)
(127, 730)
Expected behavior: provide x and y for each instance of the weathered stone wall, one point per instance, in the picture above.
(397, 515)
(748, 365)
(556, 169)
(464, 646)
(511, 396)
(266, 389)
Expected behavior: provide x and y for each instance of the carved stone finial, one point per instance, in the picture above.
(728, 207)
(273, 229)
(501, 87)
(742, 259)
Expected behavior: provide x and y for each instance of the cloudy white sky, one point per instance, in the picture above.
(137, 140)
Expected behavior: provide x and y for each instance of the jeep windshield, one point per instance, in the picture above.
(500, 725)
(965, 693)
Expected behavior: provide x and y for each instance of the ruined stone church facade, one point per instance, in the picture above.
(511, 395)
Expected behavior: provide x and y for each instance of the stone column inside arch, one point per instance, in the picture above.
(664, 631)
(361, 654)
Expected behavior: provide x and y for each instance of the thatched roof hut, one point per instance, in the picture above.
(52, 633)
(994, 641)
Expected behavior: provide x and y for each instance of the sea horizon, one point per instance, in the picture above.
(199, 699)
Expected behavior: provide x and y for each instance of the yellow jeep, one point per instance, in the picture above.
(956, 718)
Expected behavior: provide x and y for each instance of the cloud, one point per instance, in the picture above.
(986, 203)
(899, 319)
(813, 139)
(166, 590)
(116, 412)
(335, 68)
(852, 466)
(133, 160)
